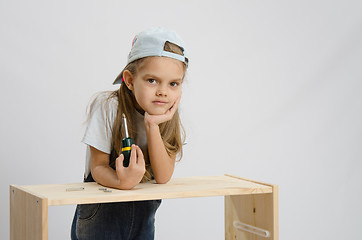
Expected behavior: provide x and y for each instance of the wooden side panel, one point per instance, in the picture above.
(28, 216)
(259, 210)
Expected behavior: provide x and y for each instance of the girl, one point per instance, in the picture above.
(149, 95)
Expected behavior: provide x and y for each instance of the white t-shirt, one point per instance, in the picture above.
(100, 124)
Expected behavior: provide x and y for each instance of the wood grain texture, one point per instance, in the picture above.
(28, 216)
(56, 194)
(248, 201)
(259, 210)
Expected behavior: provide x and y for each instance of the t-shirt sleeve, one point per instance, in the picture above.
(98, 133)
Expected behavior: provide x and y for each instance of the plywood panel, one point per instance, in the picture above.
(259, 210)
(28, 216)
(176, 188)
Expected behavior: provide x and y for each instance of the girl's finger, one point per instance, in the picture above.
(175, 105)
(133, 158)
(119, 162)
(173, 109)
(140, 158)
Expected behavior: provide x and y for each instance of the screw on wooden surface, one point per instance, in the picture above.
(105, 190)
(254, 210)
(74, 189)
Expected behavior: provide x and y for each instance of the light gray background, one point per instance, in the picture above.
(273, 93)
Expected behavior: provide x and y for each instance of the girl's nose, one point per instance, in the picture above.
(161, 91)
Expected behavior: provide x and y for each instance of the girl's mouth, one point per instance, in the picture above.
(159, 103)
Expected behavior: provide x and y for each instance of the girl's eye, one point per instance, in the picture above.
(174, 84)
(152, 81)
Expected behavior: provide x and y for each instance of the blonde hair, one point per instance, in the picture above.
(172, 131)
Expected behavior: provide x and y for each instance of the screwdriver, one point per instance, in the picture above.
(126, 143)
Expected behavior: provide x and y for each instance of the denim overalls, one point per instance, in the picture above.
(118, 220)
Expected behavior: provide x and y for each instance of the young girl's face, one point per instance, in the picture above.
(157, 84)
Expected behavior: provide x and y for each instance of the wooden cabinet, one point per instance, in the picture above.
(251, 203)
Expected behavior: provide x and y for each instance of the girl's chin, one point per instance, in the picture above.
(152, 111)
(159, 111)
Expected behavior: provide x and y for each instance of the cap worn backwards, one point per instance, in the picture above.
(151, 42)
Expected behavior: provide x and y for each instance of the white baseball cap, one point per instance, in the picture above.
(151, 42)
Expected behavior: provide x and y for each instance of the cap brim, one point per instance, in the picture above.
(118, 79)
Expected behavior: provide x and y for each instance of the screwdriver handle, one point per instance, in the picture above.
(126, 150)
